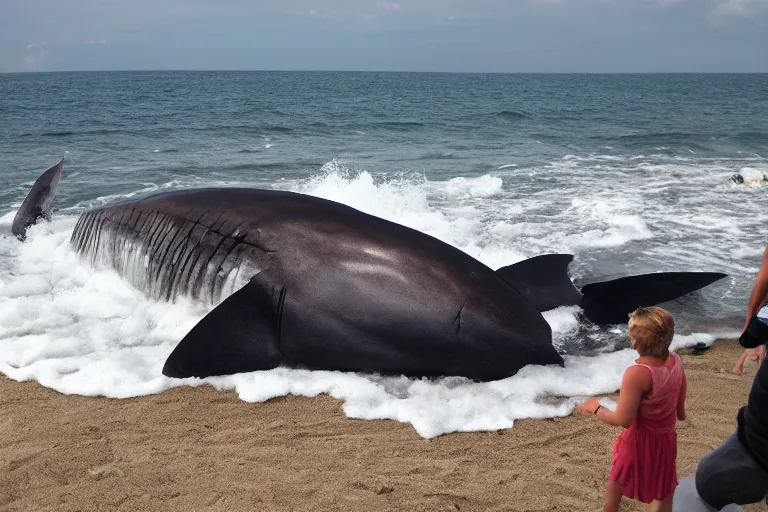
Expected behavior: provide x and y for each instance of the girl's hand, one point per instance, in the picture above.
(589, 406)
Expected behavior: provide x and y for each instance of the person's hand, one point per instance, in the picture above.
(589, 406)
(756, 355)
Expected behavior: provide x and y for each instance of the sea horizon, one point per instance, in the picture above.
(405, 71)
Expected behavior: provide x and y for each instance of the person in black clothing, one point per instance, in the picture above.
(737, 471)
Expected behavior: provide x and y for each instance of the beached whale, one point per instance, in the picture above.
(300, 281)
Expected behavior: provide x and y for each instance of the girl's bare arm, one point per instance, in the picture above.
(637, 380)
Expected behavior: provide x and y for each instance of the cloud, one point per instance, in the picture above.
(364, 10)
(737, 8)
(388, 6)
(35, 57)
(455, 34)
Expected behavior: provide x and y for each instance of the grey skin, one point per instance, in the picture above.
(38, 202)
(312, 283)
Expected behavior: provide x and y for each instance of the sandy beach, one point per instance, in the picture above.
(200, 449)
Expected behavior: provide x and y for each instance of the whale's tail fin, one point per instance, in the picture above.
(38, 202)
(611, 302)
(544, 281)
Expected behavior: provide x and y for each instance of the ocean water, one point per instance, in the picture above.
(629, 173)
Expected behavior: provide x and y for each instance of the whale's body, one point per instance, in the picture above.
(313, 283)
(295, 280)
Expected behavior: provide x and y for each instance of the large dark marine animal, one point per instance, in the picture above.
(306, 282)
(38, 202)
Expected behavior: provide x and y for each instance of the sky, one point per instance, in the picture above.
(386, 35)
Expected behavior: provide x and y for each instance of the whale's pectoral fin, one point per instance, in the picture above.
(543, 280)
(242, 334)
(611, 302)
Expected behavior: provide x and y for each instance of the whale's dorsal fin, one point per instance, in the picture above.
(543, 280)
(38, 202)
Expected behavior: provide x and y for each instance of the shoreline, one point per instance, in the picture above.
(196, 448)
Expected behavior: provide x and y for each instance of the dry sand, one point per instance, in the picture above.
(193, 449)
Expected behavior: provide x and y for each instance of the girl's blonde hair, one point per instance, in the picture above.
(651, 330)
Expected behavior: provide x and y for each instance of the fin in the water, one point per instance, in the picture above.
(611, 302)
(543, 280)
(38, 202)
(242, 334)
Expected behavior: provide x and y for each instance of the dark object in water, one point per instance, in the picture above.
(38, 202)
(544, 281)
(739, 179)
(699, 349)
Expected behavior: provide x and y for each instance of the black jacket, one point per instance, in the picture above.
(753, 419)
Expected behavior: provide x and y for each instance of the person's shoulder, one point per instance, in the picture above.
(678, 361)
(638, 375)
(637, 370)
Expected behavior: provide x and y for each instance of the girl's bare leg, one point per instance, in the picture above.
(664, 505)
(613, 497)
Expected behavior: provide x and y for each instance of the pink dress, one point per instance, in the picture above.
(644, 455)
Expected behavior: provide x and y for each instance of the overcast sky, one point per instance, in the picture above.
(408, 35)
